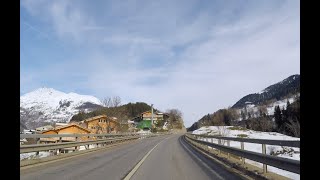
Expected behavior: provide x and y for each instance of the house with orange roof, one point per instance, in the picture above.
(101, 124)
(68, 129)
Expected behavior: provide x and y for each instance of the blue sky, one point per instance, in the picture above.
(197, 56)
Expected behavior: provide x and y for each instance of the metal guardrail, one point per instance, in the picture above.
(51, 146)
(75, 135)
(282, 163)
(76, 143)
(257, 141)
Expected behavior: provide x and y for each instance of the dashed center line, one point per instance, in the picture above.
(141, 161)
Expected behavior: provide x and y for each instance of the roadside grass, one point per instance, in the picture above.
(238, 128)
(242, 135)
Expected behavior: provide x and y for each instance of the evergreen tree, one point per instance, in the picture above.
(278, 117)
(285, 118)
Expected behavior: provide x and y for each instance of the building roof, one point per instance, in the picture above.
(114, 119)
(154, 112)
(147, 112)
(67, 126)
(47, 126)
(95, 118)
(49, 131)
(61, 124)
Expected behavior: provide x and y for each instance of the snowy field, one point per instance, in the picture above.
(280, 151)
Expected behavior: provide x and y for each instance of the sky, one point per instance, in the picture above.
(196, 56)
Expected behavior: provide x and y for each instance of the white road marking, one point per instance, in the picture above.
(141, 161)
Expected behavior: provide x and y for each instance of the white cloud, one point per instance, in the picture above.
(217, 64)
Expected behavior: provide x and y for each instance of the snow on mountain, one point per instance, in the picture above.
(281, 151)
(254, 109)
(280, 90)
(48, 104)
(52, 98)
(282, 104)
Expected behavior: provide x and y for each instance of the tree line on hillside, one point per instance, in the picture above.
(288, 120)
(122, 112)
(222, 117)
(285, 121)
(288, 86)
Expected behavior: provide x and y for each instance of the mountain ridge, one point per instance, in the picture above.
(45, 105)
(290, 85)
(275, 94)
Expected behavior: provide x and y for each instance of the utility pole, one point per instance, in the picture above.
(152, 114)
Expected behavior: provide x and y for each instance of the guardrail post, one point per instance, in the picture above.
(242, 158)
(219, 142)
(76, 148)
(59, 150)
(264, 151)
(207, 147)
(87, 146)
(38, 142)
(228, 144)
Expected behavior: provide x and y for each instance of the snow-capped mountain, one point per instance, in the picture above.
(47, 105)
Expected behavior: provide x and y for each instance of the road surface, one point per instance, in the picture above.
(165, 157)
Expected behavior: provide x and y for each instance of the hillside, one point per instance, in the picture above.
(129, 111)
(257, 110)
(123, 113)
(278, 91)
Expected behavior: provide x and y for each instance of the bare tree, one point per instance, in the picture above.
(116, 101)
(293, 127)
(223, 131)
(265, 124)
(107, 102)
(218, 119)
(111, 101)
(175, 118)
(262, 110)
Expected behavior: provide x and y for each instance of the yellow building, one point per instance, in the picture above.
(101, 124)
(69, 129)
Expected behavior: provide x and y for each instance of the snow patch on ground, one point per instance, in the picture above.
(32, 155)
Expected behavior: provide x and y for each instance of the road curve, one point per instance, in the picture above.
(174, 159)
(169, 158)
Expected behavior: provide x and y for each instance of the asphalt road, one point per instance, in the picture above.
(169, 158)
